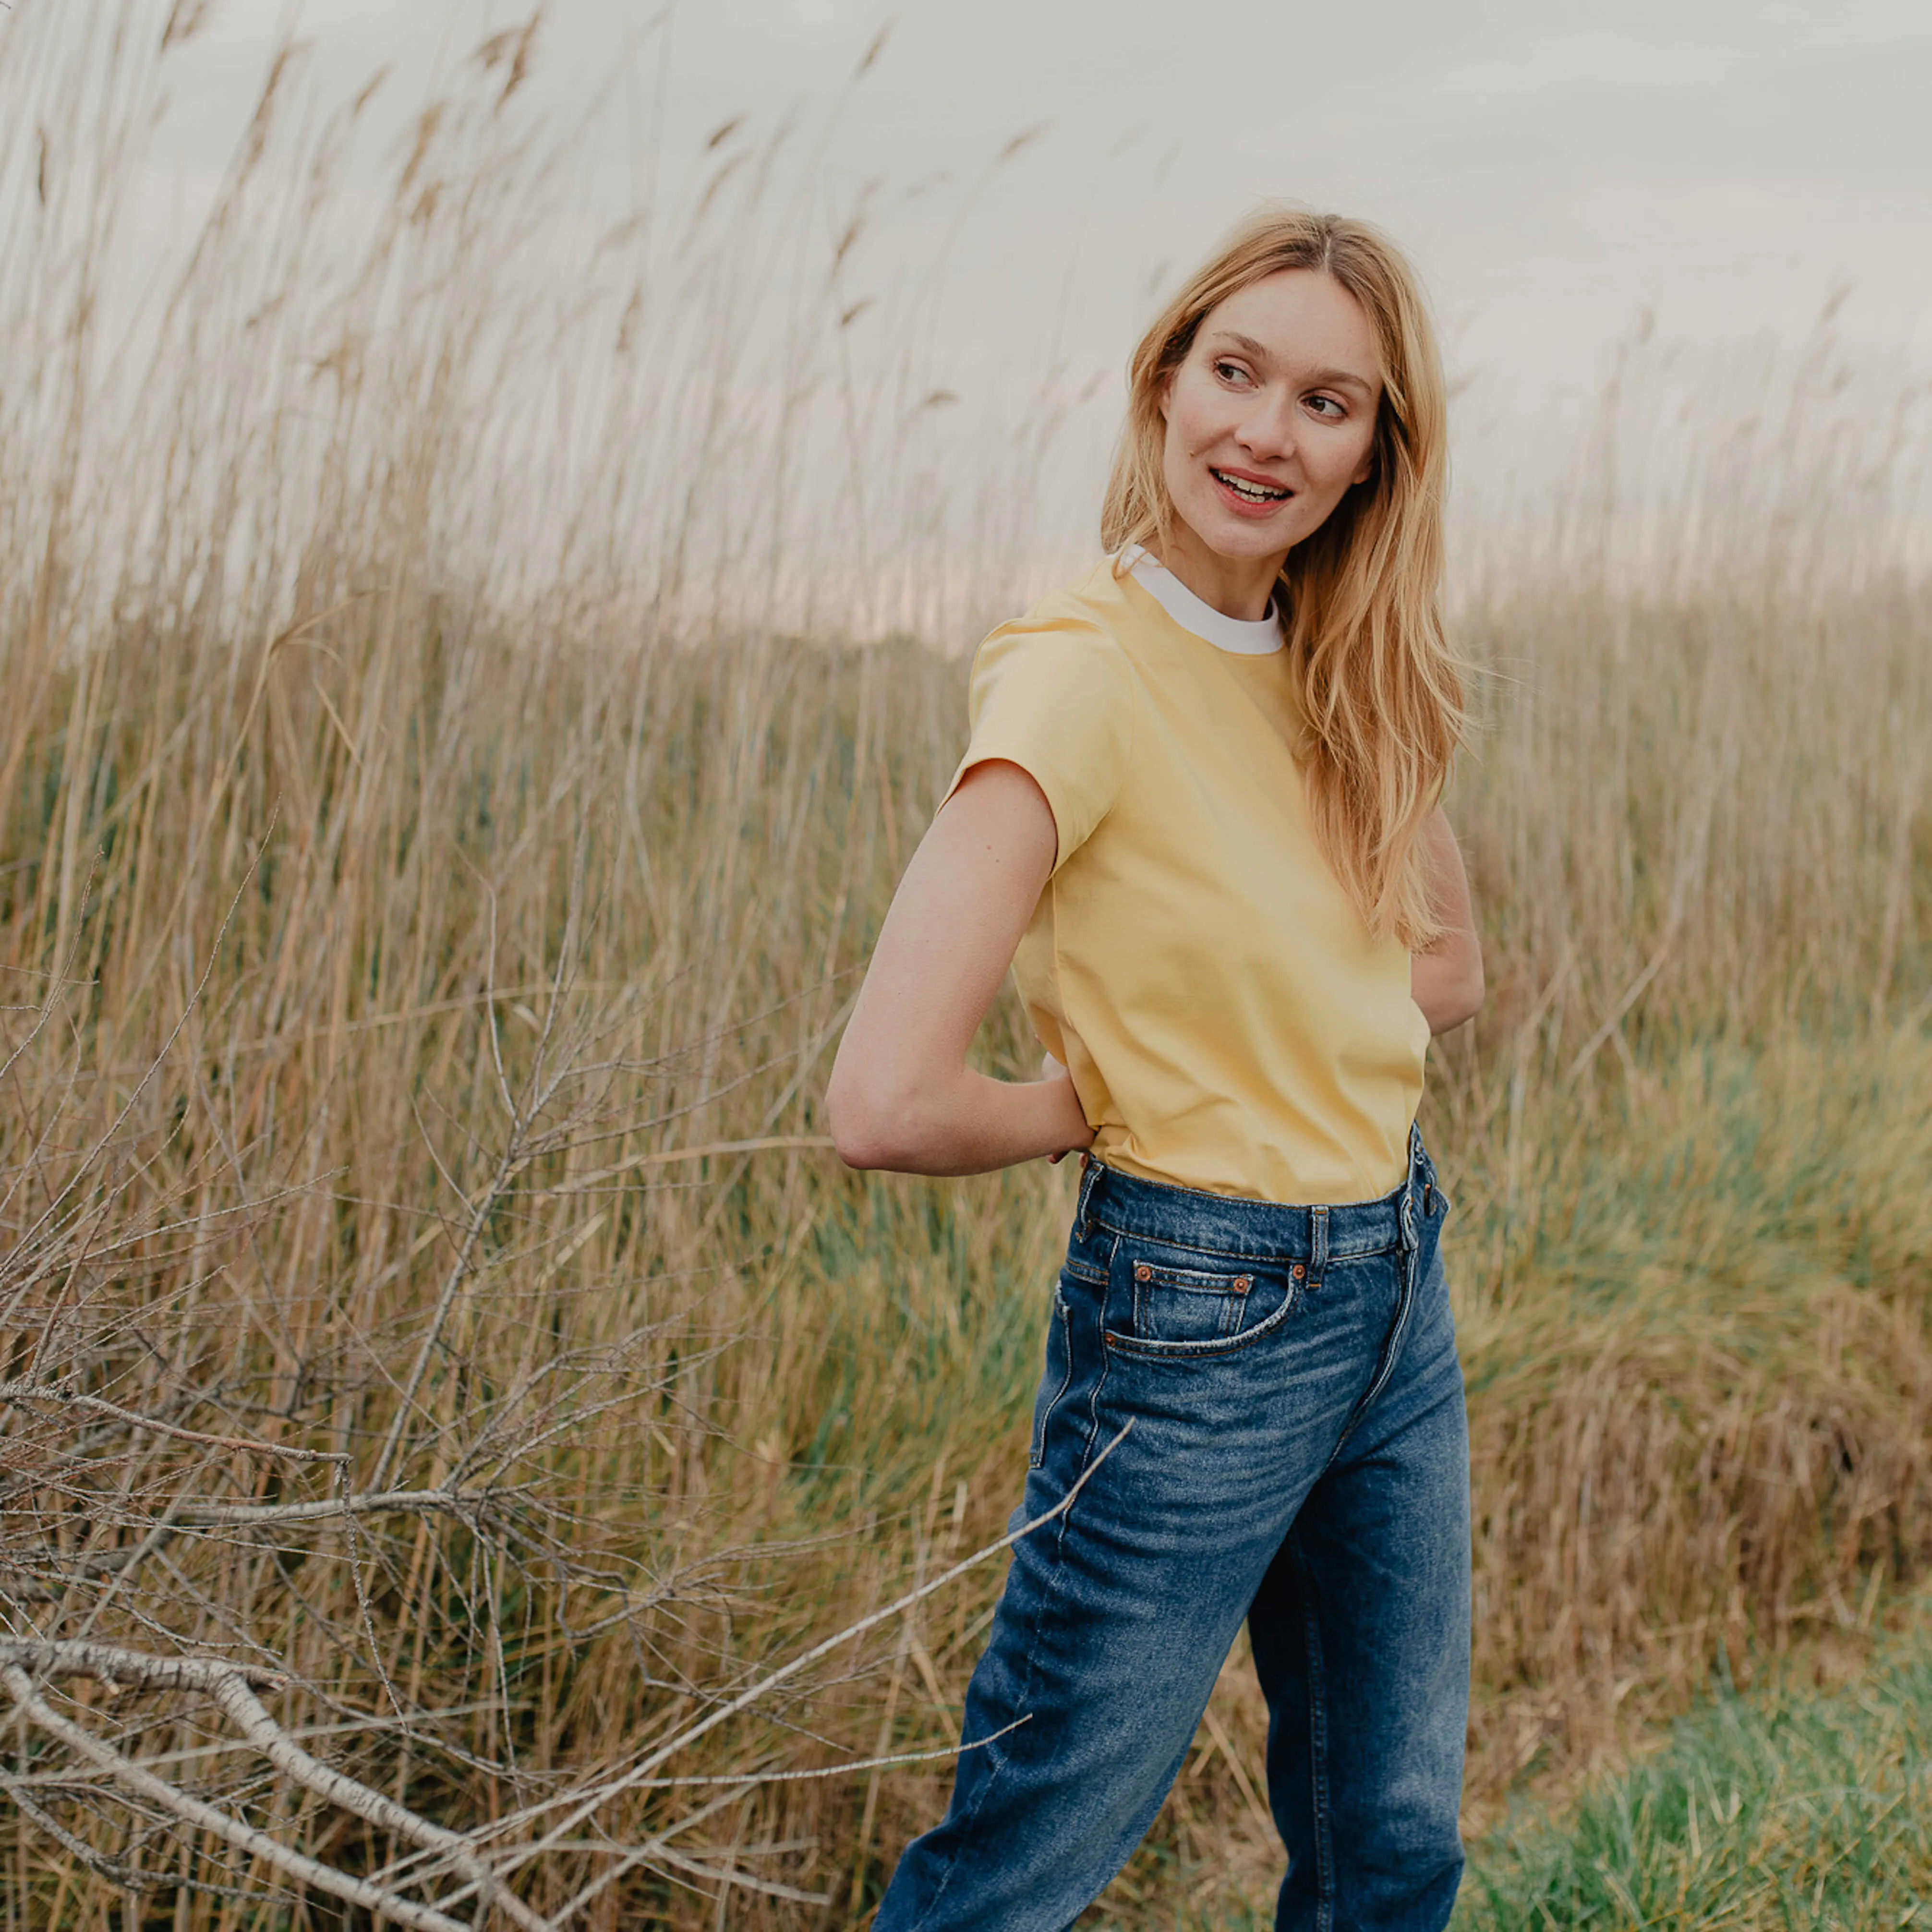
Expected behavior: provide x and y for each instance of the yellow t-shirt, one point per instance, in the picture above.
(1230, 1022)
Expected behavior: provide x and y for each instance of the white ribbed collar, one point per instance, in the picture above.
(1239, 636)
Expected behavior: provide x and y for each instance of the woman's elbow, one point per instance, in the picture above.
(1448, 984)
(867, 1124)
(861, 1146)
(854, 1131)
(1461, 1001)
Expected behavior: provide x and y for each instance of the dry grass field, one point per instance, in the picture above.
(433, 874)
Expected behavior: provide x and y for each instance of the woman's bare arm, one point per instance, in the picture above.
(901, 1096)
(1447, 980)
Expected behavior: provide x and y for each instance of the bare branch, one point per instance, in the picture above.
(24, 1394)
(114, 1870)
(825, 1771)
(586, 1803)
(661, 1853)
(249, 1716)
(514, 1156)
(118, 1872)
(108, 1664)
(232, 1687)
(220, 1824)
(440, 1502)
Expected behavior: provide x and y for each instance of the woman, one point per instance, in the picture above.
(1199, 817)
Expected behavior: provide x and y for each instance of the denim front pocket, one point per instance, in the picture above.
(1175, 1296)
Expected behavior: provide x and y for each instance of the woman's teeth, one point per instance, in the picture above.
(1254, 493)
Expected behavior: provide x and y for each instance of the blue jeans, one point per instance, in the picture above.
(1298, 1456)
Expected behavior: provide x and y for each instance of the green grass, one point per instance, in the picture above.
(1787, 1806)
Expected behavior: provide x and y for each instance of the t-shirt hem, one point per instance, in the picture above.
(1241, 1190)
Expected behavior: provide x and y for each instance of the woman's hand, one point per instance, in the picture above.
(901, 1096)
(1050, 1069)
(1446, 981)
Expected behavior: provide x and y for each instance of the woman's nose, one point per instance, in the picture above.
(1268, 429)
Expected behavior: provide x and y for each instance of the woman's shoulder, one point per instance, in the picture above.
(1093, 601)
(1089, 619)
(1053, 691)
(1066, 664)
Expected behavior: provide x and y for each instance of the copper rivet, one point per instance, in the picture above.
(1243, 1282)
(1299, 1270)
(1143, 1273)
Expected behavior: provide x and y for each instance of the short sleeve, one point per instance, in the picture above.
(1055, 698)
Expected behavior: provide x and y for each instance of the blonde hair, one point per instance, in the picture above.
(1380, 689)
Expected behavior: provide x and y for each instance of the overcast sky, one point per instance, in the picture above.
(1556, 169)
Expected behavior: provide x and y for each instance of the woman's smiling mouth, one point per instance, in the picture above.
(1248, 492)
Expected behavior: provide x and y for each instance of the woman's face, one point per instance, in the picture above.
(1272, 417)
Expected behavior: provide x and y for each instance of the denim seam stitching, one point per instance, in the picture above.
(1209, 1351)
(1262, 1257)
(1166, 1241)
(1066, 1321)
(1087, 1449)
(1218, 1283)
(1318, 1740)
(1391, 1350)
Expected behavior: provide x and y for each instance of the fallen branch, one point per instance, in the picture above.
(25, 1394)
(117, 1872)
(441, 1502)
(107, 1663)
(219, 1823)
(823, 1771)
(232, 1688)
(585, 1804)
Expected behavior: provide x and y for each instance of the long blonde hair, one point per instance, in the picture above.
(1380, 689)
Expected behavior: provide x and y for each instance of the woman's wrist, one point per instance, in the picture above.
(968, 1124)
(1072, 1131)
(1003, 1122)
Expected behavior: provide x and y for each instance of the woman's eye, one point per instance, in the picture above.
(1327, 406)
(1231, 372)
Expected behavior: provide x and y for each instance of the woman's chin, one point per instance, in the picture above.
(1240, 539)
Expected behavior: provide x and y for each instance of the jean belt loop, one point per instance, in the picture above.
(1318, 1245)
(1090, 1175)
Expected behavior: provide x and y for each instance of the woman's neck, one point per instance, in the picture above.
(1237, 587)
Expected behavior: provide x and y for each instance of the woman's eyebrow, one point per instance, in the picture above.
(1246, 343)
(1342, 379)
(1330, 379)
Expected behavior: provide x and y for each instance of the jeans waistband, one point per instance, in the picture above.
(1226, 1224)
